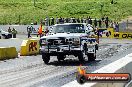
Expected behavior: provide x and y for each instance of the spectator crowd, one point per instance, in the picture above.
(103, 22)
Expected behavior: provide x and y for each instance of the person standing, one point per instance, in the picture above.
(100, 23)
(52, 21)
(29, 31)
(66, 20)
(46, 21)
(78, 20)
(46, 31)
(95, 22)
(84, 20)
(81, 20)
(74, 20)
(14, 32)
(10, 33)
(111, 24)
(57, 20)
(40, 30)
(71, 20)
(49, 21)
(117, 27)
(90, 21)
(60, 20)
(114, 26)
(106, 22)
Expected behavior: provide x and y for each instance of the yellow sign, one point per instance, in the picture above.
(29, 47)
(121, 35)
(109, 33)
(106, 32)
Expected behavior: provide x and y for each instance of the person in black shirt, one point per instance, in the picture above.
(29, 31)
(90, 21)
(66, 20)
(52, 21)
(74, 20)
(100, 23)
(107, 22)
(81, 20)
(78, 20)
(95, 23)
(60, 20)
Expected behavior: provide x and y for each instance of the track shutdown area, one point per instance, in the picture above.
(57, 73)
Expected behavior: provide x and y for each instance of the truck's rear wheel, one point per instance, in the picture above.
(61, 57)
(45, 58)
(91, 56)
(81, 57)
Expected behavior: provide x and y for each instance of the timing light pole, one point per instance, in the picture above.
(112, 1)
(101, 9)
(34, 3)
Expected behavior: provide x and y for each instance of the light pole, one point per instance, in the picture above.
(101, 9)
(19, 19)
(112, 1)
(34, 3)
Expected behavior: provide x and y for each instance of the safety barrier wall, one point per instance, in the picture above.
(8, 53)
(123, 65)
(21, 29)
(121, 35)
(109, 33)
(106, 32)
(29, 47)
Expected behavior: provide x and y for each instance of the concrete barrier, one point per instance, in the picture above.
(21, 29)
(29, 47)
(123, 65)
(8, 53)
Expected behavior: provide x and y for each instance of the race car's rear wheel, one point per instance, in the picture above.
(91, 56)
(45, 58)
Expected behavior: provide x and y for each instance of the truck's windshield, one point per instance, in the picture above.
(72, 28)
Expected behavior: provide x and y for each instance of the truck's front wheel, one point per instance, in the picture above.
(45, 58)
(61, 57)
(91, 56)
(81, 57)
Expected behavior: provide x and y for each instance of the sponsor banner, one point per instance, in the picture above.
(82, 77)
(122, 35)
(106, 32)
(109, 33)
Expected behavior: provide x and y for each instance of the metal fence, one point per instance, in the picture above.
(125, 26)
